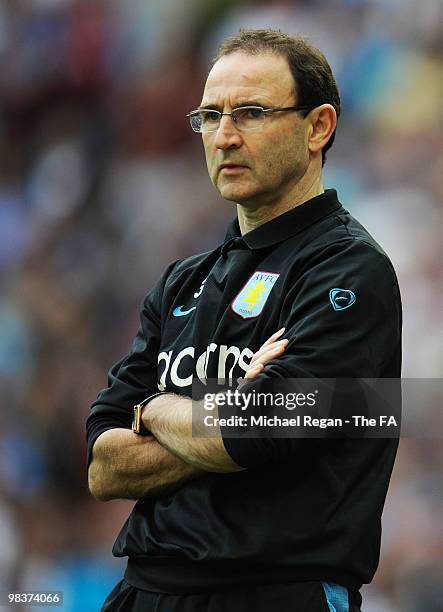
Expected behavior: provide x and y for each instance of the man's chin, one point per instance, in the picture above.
(236, 194)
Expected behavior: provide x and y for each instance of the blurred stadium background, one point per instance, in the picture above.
(102, 183)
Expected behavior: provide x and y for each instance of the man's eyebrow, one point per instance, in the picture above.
(210, 107)
(217, 107)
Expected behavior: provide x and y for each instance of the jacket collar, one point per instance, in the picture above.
(286, 225)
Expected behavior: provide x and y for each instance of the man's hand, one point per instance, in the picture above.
(272, 348)
(169, 418)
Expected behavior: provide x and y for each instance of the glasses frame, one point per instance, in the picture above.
(232, 114)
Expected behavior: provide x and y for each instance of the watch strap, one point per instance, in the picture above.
(138, 426)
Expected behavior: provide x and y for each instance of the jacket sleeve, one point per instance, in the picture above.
(134, 377)
(343, 320)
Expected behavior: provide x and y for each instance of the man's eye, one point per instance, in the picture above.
(248, 114)
(255, 113)
(211, 116)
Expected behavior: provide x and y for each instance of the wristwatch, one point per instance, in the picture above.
(138, 426)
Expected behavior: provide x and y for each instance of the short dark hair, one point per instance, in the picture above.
(314, 82)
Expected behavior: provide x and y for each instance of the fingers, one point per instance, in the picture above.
(254, 372)
(274, 337)
(259, 360)
(266, 354)
(268, 348)
(270, 341)
(271, 349)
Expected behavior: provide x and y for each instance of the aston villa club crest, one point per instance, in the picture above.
(250, 302)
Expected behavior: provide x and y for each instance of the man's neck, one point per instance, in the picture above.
(250, 218)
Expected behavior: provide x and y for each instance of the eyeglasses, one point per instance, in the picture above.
(246, 118)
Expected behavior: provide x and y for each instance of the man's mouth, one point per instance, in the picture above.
(231, 167)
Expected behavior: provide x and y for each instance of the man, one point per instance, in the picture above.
(250, 523)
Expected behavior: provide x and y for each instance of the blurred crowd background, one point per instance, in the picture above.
(102, 184)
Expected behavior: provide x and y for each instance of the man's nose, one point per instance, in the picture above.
(227, 134)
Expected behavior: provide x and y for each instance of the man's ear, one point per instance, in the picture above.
(323, 121)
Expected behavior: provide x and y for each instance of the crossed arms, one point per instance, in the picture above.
(126, 465)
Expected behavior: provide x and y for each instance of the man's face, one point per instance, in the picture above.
(272, 158)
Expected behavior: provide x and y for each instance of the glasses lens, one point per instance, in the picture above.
(210, 120)
(244, 117)
(205, 120)
(248, 117)
(195, 121)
